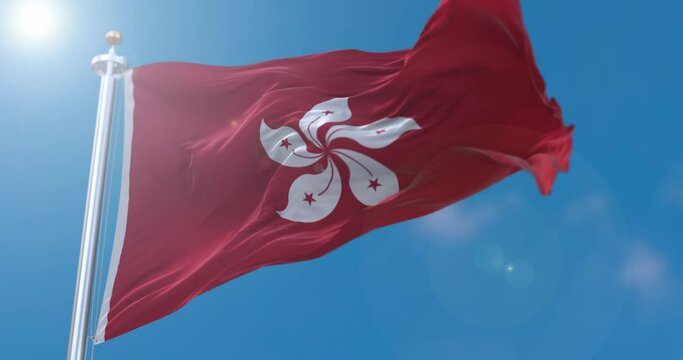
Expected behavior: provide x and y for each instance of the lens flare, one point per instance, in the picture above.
(520, 274)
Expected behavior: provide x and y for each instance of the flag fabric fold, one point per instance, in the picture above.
(229, 169)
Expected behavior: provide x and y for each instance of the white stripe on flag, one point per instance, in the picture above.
(122, 217)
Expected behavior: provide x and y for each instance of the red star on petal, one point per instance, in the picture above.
(374, 184)
(285, 143)
(328, 112)
(309, 198)
(380, 131)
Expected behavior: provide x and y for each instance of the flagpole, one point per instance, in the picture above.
(109, 67)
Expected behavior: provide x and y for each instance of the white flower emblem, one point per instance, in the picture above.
(312, 197)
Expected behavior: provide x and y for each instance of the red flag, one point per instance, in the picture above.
(228, 169)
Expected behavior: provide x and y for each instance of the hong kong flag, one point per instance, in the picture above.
(229, 169)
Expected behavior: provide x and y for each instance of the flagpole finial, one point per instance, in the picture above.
(113, 38)
(101, 63)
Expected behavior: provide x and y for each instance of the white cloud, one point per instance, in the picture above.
(593, 207)
(644, 271)
(672, 188)
(460, 222)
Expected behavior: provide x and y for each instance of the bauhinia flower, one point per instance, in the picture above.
(312, 197)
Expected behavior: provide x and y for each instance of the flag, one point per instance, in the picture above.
(229, 169)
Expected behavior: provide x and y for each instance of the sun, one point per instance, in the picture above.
(34, 20)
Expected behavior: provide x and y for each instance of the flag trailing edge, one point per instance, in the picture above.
(229, 169)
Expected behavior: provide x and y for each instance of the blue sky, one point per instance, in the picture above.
(591, 272)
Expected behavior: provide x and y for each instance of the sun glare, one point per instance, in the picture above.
(34, 20)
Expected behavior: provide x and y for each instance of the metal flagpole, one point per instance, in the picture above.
(109, 67)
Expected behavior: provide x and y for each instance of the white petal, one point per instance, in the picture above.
(331, 111)
(285, 146)
(313, 196)
(370, 181)
(377, 135)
